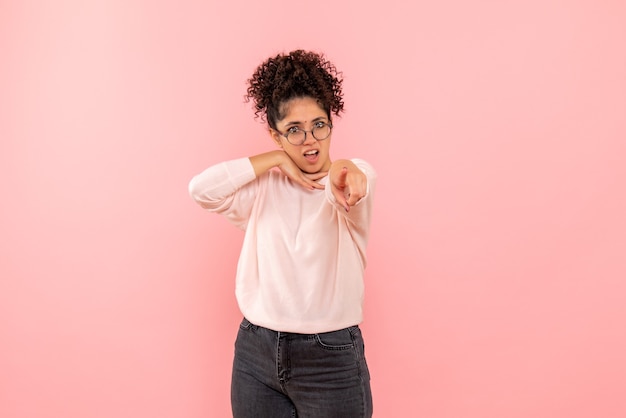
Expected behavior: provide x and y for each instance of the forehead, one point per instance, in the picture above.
(303, 109)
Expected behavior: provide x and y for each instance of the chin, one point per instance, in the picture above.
(313, 168)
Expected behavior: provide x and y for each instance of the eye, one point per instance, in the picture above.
(293, 130)
(319, 124)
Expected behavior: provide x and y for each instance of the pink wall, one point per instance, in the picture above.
(496, 281)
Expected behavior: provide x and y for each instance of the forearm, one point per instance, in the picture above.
(281, 160)
(266, 161)
(215, 184)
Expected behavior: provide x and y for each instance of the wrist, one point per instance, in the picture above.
(266, 161)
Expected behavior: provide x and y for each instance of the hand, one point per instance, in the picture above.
(349, 184)
(306, 180)
(285, 164)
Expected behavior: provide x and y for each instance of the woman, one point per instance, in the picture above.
(299, 350)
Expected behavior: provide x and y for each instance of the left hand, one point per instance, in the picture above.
(349, 184)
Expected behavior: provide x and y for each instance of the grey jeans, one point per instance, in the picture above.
(278, 374)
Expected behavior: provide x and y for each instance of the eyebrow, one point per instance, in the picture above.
(295, 122)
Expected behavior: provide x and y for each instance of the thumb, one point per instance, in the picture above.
(341, 198)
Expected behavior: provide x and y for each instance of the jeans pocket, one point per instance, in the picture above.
(335, 340)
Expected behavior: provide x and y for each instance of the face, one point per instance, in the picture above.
(313, 155)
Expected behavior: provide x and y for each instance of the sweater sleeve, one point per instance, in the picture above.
(227, 188)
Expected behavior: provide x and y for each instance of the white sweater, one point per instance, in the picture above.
(303, 256)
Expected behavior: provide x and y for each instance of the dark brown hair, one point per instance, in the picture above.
(294, 75)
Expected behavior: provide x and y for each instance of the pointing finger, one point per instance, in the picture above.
(341, 181)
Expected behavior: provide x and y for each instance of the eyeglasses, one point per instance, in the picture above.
(297, 136)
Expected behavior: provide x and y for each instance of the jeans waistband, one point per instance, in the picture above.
(246, 324)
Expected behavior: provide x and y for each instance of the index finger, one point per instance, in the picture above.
(343, 175)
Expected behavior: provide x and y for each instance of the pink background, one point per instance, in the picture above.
(496, 285)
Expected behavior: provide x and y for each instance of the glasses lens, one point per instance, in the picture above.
(321, 131)
(296, 137)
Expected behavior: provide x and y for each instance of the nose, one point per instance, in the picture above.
(309, 139)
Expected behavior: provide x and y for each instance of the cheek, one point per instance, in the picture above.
(326, 145)
(291, 152)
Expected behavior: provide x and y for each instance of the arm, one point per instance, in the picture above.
(215, 187)
(229, 188)
(266, 161)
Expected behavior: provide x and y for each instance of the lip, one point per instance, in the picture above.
(313, 158)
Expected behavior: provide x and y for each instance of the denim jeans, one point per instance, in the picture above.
(279, 374)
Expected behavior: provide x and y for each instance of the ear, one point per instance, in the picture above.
(277, 137)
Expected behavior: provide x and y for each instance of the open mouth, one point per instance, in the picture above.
(311, 155)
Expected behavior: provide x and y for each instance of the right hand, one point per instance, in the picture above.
(307, 180)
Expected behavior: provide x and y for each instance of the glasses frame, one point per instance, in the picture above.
(286, 134)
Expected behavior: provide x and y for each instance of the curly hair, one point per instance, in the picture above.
(294, 75)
